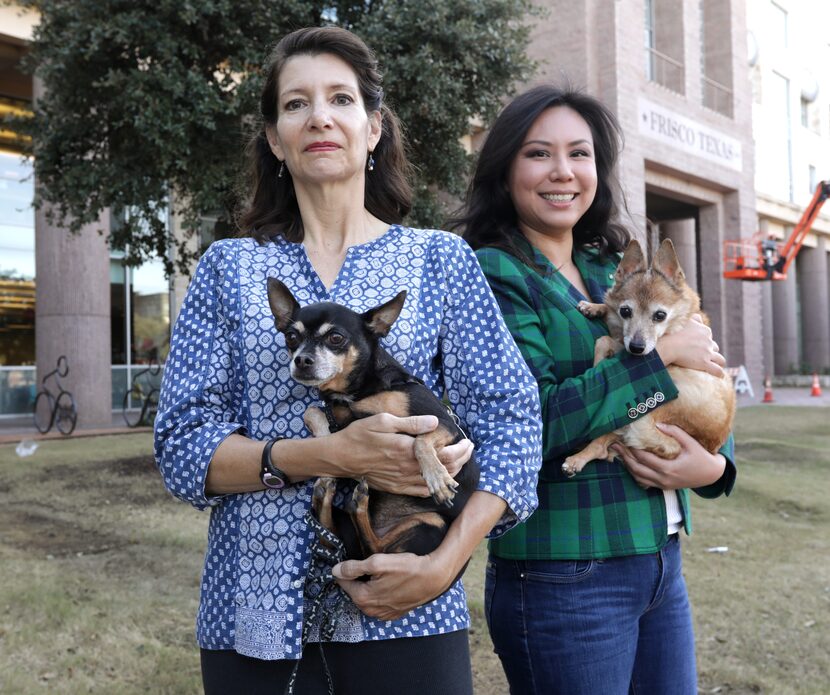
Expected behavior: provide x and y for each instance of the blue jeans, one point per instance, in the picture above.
(593, 627)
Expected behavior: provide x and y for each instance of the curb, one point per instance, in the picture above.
(15, 437)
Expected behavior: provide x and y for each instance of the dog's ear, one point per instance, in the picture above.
(380, 319)
(283, 304)
(665, 261)
(632, 261)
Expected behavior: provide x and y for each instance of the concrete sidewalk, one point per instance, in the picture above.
(13, 430)
(787, 395)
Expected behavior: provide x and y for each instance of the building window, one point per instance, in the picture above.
(813, 179)
(664, 43)
(757, 84)
(716, 55)
(810, 117)
(140, 318)
(774, 135)
(650, 43)
(780, 21)
(17, 261)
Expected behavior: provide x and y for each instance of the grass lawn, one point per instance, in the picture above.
(100, 567)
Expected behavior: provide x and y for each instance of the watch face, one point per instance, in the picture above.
(272, 481)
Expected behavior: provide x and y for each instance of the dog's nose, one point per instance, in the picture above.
(636, 347)
(304, 361)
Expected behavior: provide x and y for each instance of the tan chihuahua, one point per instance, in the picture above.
(644, 304)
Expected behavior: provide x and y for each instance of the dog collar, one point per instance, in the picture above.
(333, 426)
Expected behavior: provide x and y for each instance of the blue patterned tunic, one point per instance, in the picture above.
(228, 372)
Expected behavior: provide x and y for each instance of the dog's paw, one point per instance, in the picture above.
(322, 487)
(360, 497)
(441, 485)
(570, 467)
(590, 309)
(316, 422)
(322, 494)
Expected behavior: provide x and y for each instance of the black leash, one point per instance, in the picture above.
(321, 588)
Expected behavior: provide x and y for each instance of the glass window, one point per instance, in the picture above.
(150, 313)
(118, 308)
(139, 314)
(17, 261)
(778, 165)
(649, 37)
(780, 21)
(664, 43)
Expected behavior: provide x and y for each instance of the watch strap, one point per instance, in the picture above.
(271, 476)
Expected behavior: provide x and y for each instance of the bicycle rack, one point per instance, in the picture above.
(60, 410)
(146, 394)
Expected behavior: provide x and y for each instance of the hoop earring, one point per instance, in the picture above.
(282, 170)
(370, 165)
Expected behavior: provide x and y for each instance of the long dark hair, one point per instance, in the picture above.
(272, 203)
(489, 217)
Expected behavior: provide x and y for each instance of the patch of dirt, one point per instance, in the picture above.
(791, 508)
(45, 535)
(143, 485)
(135, 466)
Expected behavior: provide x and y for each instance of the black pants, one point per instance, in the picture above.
(438, 665)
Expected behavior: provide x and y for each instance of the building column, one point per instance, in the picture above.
(785, 322)
(73, 314)
(741, 300)
(711, 282)
(767, 329)
(683, 235)
(815, 312)
(72, 311)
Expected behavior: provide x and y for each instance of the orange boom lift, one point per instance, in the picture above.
(757, 258)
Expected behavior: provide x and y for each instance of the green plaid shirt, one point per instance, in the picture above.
(602, 511)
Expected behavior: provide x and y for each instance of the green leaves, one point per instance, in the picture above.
(147, 97)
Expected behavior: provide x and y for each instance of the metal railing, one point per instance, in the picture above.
(665, 70)
(717, 96)
(19, 386)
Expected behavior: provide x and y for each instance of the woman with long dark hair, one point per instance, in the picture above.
(328, 192)
(587, 596)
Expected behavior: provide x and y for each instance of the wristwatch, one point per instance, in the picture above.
(271, 476)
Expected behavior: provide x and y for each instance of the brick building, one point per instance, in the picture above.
(727, 126)
(695, 85)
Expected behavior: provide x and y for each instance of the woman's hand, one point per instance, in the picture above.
(381, 448)
(693, 467)
(692, 347)
(398, 583)
(404, 581)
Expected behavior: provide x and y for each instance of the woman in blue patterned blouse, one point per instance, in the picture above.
(329, 191)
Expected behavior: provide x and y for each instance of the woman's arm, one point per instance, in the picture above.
(201, 393)
(379, 448)
(400, 582)
(589, 400)
(710, 475)
(200, 447)
(692, 347)
(579, 401)
(495, 396)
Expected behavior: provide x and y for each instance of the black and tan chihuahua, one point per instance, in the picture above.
(337, 351)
